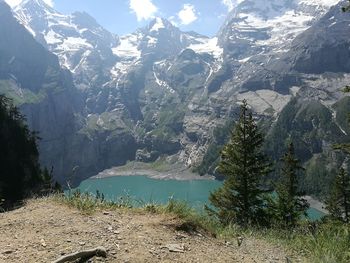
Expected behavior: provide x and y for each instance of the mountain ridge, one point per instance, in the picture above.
(132, 89)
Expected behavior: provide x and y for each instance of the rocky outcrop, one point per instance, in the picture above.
(160, 91)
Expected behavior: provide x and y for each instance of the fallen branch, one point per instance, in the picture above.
(86, 254)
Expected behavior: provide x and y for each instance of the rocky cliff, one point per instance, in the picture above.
(163, 92)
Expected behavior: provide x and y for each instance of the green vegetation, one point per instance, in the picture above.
(18, 95)
(318, 242)
(169, 122)
(338, 203)
(88, 203)
(344, 118)
(310, 126)
(288, 207)
(320, 173)
(241, 199)
(212, 156)
(20, 172)
(324, 242)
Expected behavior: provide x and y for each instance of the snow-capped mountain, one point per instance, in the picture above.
(262, 26)
(44, 92)
(159, 40)
(82, 45)
(162, 91)
(100, 61)
(85, 47)
(258, 33)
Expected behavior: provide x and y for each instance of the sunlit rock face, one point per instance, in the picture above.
(160, 91)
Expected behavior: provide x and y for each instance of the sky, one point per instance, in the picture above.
(125, 16)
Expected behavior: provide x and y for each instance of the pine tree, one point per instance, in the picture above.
(20, 172)
(241, 198)
(289, 205)
(338, 203)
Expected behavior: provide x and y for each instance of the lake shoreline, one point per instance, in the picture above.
(180, 175)
(316, 204)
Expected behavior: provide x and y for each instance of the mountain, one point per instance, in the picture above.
(287, 58)
(82, 45)
(45, 93)
(300, 88)
(147, 65)
(264, 26)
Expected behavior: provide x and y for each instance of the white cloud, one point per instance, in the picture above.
(13, 3)
(144, 9)
(188, 14)
(228, 4)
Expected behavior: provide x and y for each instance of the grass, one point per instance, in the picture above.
(327, 242)
(20, 96)
(323, 242)
(89, 203)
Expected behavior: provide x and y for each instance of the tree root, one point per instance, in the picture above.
(83, 255)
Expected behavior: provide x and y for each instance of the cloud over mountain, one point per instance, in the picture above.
(187, 14)
(144, 9)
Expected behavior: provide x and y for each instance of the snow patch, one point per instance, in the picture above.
(128, 47)
(209, 45)
(162, 83)
(294, 90)
(244, 60)
(74, 44)
(334, 117)
(53, 38)
(158, 24)
(327, 3)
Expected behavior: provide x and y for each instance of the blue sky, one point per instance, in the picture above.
(118, 17)
(124, 16)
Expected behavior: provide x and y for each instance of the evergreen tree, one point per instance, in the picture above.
(338, 203)
(289, 205)
(241, 198)
(20, 172)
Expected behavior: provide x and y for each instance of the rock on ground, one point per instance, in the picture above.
(43, 231)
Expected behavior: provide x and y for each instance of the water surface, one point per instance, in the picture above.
(147, 190)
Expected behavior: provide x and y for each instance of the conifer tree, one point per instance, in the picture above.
(241, 198)
(338, 203)
(20, 172)
(289, 205)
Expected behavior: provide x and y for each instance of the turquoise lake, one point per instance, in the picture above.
(143, 190)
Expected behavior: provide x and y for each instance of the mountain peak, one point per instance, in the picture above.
(159, 23)
(84, 20)
(35, 5)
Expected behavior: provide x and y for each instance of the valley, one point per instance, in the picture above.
(167, 145)
(121, 90)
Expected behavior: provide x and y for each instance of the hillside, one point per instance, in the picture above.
(43, 230)
(113, 97)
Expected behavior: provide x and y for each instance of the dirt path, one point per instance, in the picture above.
(43, 230)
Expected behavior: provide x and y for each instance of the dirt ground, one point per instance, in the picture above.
(44, 230)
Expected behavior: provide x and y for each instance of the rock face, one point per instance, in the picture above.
(160, 91)
(33, 78)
